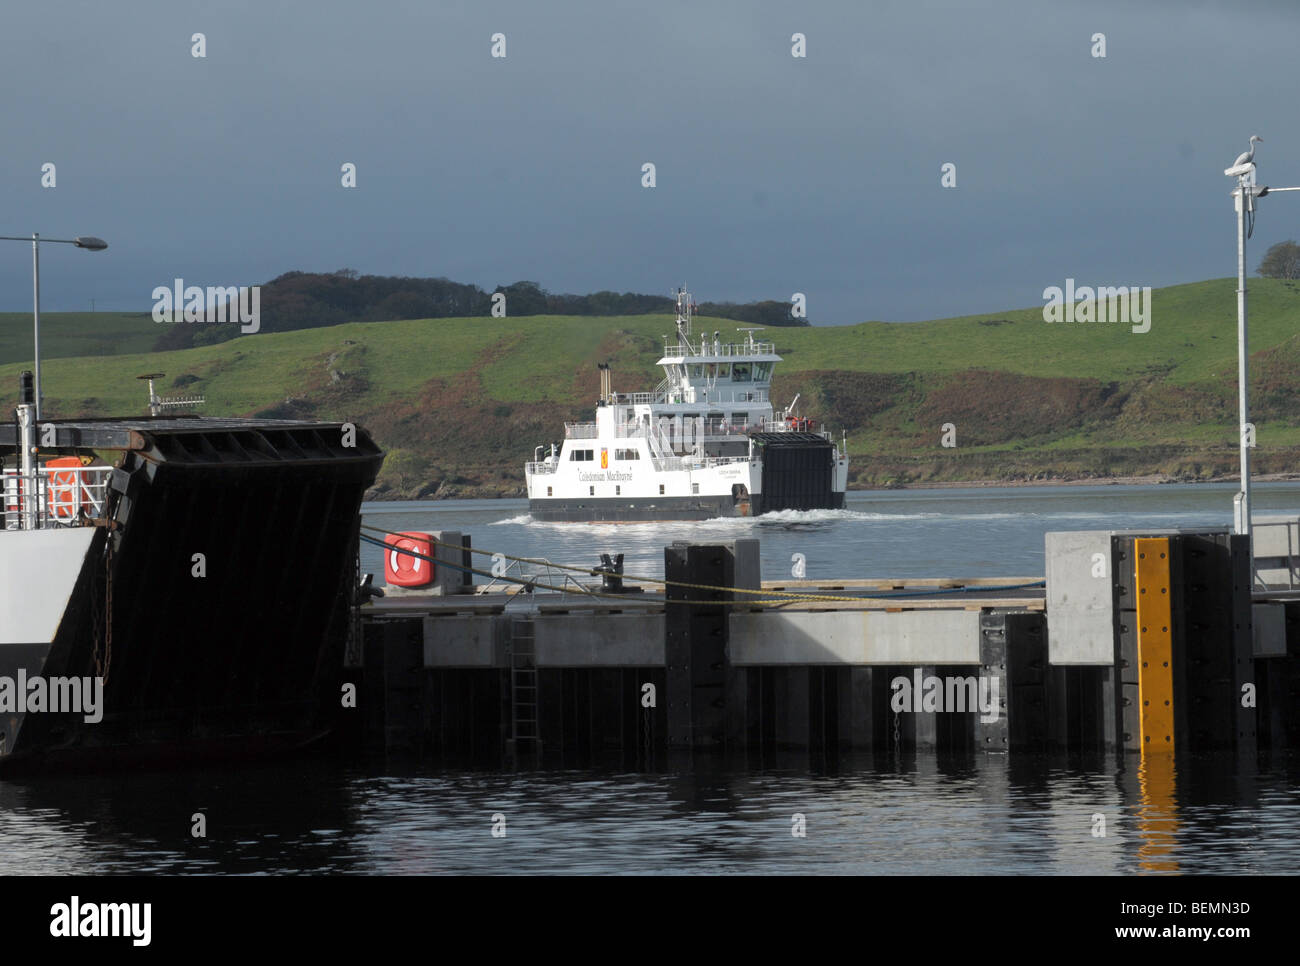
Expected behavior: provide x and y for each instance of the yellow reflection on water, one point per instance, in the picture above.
(1157, 817)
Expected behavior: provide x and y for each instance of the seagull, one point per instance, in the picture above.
(1248, 157)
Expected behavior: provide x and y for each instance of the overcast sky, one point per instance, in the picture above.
(775, 174)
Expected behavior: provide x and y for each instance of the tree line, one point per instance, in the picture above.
(308, 300)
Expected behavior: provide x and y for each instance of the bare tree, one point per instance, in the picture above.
(1281, 261)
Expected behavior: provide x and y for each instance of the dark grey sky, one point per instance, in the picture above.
(775, 175)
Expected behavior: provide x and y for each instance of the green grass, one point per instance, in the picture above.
(534, 358)
(1172, 376)
(72, 334)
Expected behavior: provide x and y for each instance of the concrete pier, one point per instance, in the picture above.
(1140, 642)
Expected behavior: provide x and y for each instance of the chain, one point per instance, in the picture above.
(898, 745)
(647, 735)
(96, 621)
(108, 612)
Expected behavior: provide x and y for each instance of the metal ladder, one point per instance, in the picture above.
(523, 685)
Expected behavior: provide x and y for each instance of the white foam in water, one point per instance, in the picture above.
(810, 516)
(780, 518)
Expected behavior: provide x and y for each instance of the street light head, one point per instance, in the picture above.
(90, 242)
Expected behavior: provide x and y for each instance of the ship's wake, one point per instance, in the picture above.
(779, 519)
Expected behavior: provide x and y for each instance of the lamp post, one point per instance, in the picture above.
(1244, 196)
(88, 242)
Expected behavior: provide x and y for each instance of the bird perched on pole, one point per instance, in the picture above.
(1246, 160)
(1248, 157)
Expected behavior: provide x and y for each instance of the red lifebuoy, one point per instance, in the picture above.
(405, 569)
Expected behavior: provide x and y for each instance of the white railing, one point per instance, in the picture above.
(709, 348)
(678, 463)
(665, 427)
(696, 395)
(694, 430)
(546, 466)
(640, 398)
(580, 430)
(779, 426)
(722, 428)
(670, 464)
(65, 496)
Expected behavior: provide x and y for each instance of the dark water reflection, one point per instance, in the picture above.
(969, 816)
(982, 815)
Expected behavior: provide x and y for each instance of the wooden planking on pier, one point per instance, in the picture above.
(903, 583)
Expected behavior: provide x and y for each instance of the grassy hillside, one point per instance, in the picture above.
(460, 403)
(69, 334)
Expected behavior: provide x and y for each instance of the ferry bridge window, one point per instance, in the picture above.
(740, 372)
(762, 371)
(724, 370)
(697, 371)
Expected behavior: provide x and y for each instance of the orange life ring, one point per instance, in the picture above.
(63, 486)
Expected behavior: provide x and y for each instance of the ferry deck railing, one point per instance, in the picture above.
(711, 430)
(707, 347)
(776, 426)
(676, 397)
(677, 463)
(64, 496)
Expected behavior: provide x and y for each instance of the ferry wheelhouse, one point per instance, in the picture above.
(706, 442)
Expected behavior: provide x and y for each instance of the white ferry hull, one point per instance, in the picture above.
(652, 509)
(801, 473)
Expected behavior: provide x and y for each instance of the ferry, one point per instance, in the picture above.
(705, 443)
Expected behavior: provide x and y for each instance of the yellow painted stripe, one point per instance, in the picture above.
(1155, 644)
